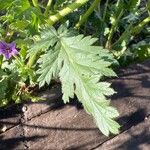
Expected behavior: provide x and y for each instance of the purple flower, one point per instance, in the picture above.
(8, 49)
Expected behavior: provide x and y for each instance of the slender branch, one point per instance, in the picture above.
(48, 7)
(87, 13)
(69, 9)
(139, 27)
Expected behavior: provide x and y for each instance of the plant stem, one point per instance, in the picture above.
(85, 16)
(108, 43)
(1, 61)
(69, 9)
(35, 4)
(48, 7)
(19, 62)
(124, 36)
(139, 27)
(105, 10)
(32, 60)
(130, 30)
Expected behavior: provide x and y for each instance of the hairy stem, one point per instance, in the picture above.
(48, 7)
(85, 16)
(67, 10)
(140, 26)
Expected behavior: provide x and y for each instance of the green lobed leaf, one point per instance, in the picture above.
(80, 66)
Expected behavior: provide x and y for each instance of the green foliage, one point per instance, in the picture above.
(13, 82)
(59, 4)
(141, 50)
(5, 4)
(133, 5)
(17, 10)
(80, 66)
(120, 27)
(3, 87)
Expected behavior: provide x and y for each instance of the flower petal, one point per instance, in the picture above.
(14, 52)
(12, 45)
(2, 45)
(7, 55)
